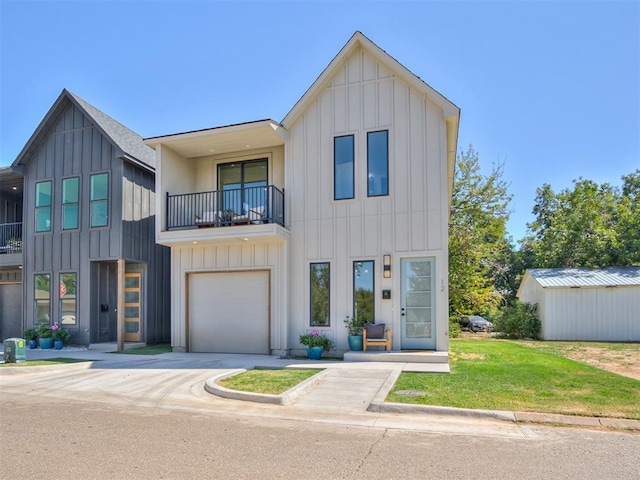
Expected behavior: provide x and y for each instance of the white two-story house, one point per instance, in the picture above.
(339, 209)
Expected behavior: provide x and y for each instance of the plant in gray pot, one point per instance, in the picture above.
(354, 330)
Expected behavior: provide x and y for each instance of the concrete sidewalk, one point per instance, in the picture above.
(342, 388)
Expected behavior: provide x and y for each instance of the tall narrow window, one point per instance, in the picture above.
(363, 298)
(70, 203)
(43, 207)
(42, 296)
(100, 200)
(378, 163)
(319, 294)
(68, 298)
(343, 167)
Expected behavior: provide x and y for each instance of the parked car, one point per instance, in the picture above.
(479, 324)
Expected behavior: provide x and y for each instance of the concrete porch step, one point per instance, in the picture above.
(420, 356)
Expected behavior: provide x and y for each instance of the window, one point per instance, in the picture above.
(68, 298)
(363, 299)
(70, 203)
(43, 207)
(377, 163)
(100, 200)
(319, 294)
(243, 185)
(42, 296)
(343, 167)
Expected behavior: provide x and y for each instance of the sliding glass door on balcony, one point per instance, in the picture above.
(238, 183)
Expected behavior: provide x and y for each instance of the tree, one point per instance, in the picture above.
(629, 220)
(589, 225)
(478, 244)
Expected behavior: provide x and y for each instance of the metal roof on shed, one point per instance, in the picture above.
(586, 277)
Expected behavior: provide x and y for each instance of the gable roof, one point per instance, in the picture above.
(585, 277)
(128, 141)
(359, 40)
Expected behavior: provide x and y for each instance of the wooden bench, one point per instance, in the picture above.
(385, 341)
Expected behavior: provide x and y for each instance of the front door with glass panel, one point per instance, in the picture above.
(417, 303)
(242, 186)
(132, 307)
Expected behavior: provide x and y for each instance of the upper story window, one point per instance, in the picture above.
(243, 186)
(343, 167)
(43, 207)
(100, 200)
(377, 163)
(70, 206)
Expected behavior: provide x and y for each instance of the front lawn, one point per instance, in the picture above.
(267, 381)
(505, 375)
(148, 350)
(48, 361)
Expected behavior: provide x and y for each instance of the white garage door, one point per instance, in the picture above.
(229, 312)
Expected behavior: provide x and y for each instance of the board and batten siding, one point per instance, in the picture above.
(231, 257)
(73, 147)
(142, 253)
(365, 96)
(604, 314)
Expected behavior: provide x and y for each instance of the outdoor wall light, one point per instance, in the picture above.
(386, 266)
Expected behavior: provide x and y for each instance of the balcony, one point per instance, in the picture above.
(225, 208)
(10, 238)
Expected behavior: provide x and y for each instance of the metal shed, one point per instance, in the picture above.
(585, 304)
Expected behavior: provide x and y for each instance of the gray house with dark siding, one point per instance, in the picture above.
(88, 229)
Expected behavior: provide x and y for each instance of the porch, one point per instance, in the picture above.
(420, 360)
(223, 208)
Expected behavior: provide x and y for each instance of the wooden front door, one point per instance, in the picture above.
(132, 307)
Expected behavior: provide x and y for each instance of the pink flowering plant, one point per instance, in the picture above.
(60, 333)
(316, 339)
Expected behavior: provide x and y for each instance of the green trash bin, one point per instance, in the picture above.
(15, 350)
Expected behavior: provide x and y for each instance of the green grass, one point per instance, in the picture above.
(267, 381)
(48, 361)
(505, 375)
(148, 350)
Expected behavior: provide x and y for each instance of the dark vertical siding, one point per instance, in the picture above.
(138, 235)
(71, 148)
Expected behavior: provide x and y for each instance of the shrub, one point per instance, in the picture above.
(31, 334)
(454, 328)
(519, 320)
(44, 331)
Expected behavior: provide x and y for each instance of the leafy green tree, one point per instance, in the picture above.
(478, 243)
(629, 220)
(589, 225)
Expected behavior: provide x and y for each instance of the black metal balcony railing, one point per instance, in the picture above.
(222, 208)
(10, 237)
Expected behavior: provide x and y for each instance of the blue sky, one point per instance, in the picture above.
(552, 89)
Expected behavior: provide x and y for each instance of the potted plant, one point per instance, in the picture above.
(31, 336)
(316, 343)
(45, 336)
(354, 330)
(60, 336)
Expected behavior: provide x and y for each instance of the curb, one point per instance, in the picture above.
(515, 417)
(212, 386)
